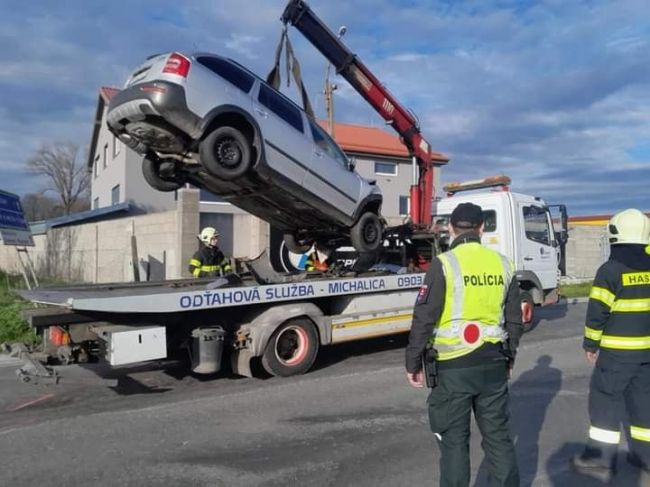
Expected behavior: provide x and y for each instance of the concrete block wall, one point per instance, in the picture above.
(250, 236)
(587, 249)
(103, 251)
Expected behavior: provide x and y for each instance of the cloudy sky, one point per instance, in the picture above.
(554, 93)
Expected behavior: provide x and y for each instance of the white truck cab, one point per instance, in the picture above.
(518, 226)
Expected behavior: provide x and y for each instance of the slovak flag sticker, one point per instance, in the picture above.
(423, 294)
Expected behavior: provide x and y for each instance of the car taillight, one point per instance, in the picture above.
(177, 64)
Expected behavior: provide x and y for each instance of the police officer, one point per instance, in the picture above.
(469, 311)
(617, 341)
(209, 260)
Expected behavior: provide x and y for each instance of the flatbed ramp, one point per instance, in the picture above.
(193, 295)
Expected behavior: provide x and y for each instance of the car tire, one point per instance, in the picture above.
(293, 246)
(527, 310)
(292, 348)
(367, 234)
(226, 153)
(151, 170)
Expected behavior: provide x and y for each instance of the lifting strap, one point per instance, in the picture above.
(293, 67)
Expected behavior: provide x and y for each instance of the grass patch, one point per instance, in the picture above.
(580, 290)
(12, 327)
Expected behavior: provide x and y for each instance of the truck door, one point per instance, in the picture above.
(538, 246)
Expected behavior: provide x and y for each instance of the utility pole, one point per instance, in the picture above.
(329, 90)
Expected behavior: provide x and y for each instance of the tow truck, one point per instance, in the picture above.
(282, 319)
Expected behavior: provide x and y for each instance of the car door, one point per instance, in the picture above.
(287, 148)
(538, 247)
(330, 177)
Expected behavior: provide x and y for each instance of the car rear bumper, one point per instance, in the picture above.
(147, 115)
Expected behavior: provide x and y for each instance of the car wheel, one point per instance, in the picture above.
(160, 175)
(226, 153)
(292, 348)
(527, 310)
(294, 246)
(367, 233)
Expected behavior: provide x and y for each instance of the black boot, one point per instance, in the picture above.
(634, 460)
(593, 464)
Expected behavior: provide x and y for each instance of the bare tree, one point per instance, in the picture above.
(37, 206)
(66, 172)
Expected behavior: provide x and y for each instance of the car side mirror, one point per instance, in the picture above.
(352, 163)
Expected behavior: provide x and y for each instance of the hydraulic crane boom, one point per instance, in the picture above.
(300, 15)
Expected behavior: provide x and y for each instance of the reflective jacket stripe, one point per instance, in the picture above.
(605, 436)
(625, 343)
(196, 272)
(603, 295)
(195, 263)
(593, 334)
(209, 268)
(631, 305)
(641, 434)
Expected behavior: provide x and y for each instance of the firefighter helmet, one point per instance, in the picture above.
(207, 234)
(629, 227)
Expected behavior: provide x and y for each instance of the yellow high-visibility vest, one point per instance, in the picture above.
(477, 281)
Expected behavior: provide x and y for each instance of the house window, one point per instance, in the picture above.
(96, 165)
(206, 196)
(404, 205)
(386, 168)
(115, 194)
(116, 147)
(105, 155)
(96, 203)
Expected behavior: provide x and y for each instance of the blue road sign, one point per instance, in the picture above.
(14, 229)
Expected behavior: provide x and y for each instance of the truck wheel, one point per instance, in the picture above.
(293, 246)
(154, 171)
(226, 153)
(292, 348)
(367, 233)
(527, 310)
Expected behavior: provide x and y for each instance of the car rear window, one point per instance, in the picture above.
(228, 71)
(283, 108)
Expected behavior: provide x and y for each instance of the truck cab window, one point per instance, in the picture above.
(536, 224)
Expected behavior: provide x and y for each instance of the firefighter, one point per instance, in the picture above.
(467, 316)
(209, 260)
(617, 342)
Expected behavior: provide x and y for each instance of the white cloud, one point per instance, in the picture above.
(552, 93)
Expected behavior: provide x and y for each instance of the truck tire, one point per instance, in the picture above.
(151, 170)
(366, 235)
(226, 153)
(527, 310)
(293, 246)
(292, 348)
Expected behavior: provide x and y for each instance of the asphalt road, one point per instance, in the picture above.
(353, 421)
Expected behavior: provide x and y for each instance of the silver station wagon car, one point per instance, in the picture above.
(204, 119)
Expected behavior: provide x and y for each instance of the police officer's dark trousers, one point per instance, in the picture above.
(617, 388)
(484, 390)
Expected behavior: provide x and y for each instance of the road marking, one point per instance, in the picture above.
(29, 403)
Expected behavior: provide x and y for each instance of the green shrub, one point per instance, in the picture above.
(580, 290)
(12, 327)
